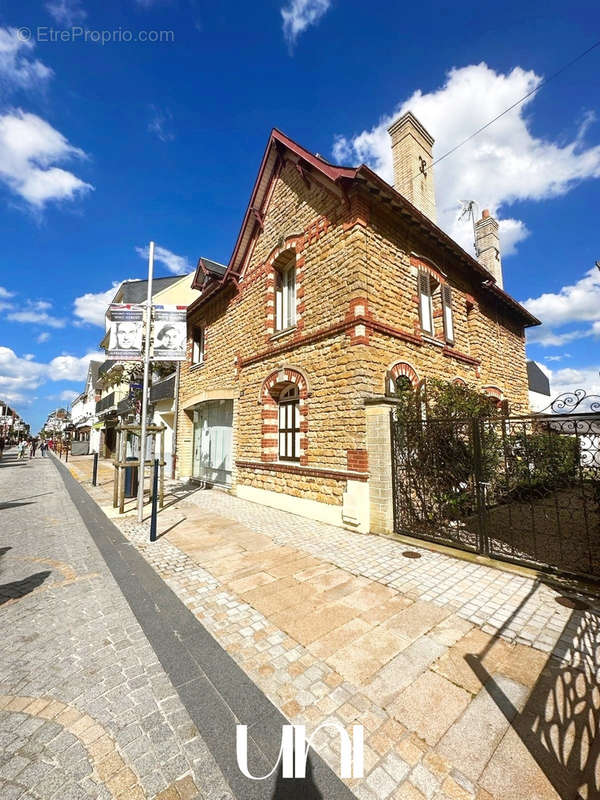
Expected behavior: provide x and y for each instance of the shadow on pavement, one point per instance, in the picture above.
(559, 724)
(14, 504)
(296, 788)
(18, 589)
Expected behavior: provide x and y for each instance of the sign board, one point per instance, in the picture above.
(169, 333)
(126, 326)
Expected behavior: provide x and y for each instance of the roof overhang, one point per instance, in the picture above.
(280, 146)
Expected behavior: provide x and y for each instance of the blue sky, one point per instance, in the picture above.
(103, 147)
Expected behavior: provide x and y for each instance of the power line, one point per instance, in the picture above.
(514, 105)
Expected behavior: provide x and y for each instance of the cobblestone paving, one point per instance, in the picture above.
(463, 676)
(86, 710)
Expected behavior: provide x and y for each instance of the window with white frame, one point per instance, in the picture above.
(289, 424)
(285, 296)
(425, 291)
(447, 311)
(198, 336)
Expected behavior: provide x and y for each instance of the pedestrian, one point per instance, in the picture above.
(21, 447)
(34, 444)
(2, 446)
(43, 448)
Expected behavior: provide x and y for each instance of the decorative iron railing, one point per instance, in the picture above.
(520, 488)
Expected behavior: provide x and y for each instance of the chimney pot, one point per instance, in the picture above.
(412, 154)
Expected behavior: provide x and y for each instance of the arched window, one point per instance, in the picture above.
(285, 291)
(289, 423)
(402, 383)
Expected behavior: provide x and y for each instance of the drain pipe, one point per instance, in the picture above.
(174, 441)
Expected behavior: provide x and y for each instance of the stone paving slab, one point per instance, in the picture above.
(472, 629)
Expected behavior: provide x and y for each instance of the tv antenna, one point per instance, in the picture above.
(469, 209)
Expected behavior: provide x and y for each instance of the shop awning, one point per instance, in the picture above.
(97, 426)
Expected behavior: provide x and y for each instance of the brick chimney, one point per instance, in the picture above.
(487, 245)
(412, 155)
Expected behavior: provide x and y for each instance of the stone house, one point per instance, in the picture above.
(340, 287)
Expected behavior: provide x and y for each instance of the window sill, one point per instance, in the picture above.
(282, 334)
(199, 365)
(427, 337)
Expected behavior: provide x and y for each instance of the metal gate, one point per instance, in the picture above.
(519, 488)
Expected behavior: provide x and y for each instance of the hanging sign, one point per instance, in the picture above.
(169, 333)
(126, 326)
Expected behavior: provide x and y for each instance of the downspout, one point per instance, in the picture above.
(175, 421)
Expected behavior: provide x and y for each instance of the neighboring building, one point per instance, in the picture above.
(120, 381)
(12, 427)
(86, 438)
(538, 385)
(56, 424)
(339, 288)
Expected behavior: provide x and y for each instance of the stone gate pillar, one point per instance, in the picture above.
(379, 446)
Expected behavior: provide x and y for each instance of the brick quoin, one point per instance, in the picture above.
(357, 460)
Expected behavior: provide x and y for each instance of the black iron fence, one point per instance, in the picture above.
(520, 488)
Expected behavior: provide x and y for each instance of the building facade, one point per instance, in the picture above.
(339, 288)
(86, 437)
(119, 400)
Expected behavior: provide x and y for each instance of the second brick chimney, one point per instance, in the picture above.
(487, 245)
(412, 153)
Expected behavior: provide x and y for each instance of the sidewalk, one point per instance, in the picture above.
(86, 709)
(462, 675)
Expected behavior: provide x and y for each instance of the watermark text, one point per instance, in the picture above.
(77, 33)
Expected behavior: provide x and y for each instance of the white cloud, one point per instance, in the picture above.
(557, 358)
(5, 293)
(568, 379)
(16, 70)
(66, 12)
(548, 338)
(71, 368)
(503, 164)
(68, 395)
(35, 312)
(575, 303)
(29, 147)
(18, 375)
(43, 337)
(91, 307)
(298, 15)
(160, 124)
(178, 265)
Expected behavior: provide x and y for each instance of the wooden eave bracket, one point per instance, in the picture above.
(303, 175)
(258, 217)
